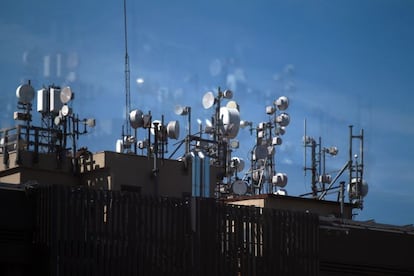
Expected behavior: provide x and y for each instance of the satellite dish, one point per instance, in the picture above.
(234, 144)
(280, 130)
(233, 104)
(362, 187)
(239, 187)
(91, 122)
(173, 130)
(333, 151)
(25, 93)
(178, 110)
(57, 120)
(282, 103)
(136, 119)
(231, 121)
(280, 179)
(181, 110)
(65, 110)
(228, 94)
(244, 124)
(283, 119)
(208, 100)
(66, 95)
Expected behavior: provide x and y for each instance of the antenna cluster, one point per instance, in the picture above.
(320, 178)
(59, 122)
(322, 183)
(262, 176)
(214, 150)
(157, 135)
(53, 103)
(215, 143)
(357, 186)
(223, 129)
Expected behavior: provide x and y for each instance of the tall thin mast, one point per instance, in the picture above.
(127, 126)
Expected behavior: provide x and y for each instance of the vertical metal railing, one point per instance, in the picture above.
(96, 232)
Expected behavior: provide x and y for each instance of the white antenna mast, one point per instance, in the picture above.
(127, 126)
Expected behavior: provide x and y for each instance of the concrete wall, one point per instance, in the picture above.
(117, 171)
(103, 170)
(24, 166)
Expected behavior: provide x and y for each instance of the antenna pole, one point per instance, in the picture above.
(188, 139)
(342, 196)
(320, 157)
(304, 142)
(314, 188)
(361, 153)
(350, 155)
(127, 76)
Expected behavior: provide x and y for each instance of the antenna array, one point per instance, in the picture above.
(262, 175)
(58, 120)
(322, 183)
(221, 141)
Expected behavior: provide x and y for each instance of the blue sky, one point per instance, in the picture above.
(339, 62)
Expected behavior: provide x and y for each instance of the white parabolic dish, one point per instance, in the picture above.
(25, 93)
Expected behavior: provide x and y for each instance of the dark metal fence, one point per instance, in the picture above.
(81, 231)
(241, 240)
(91, 232)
